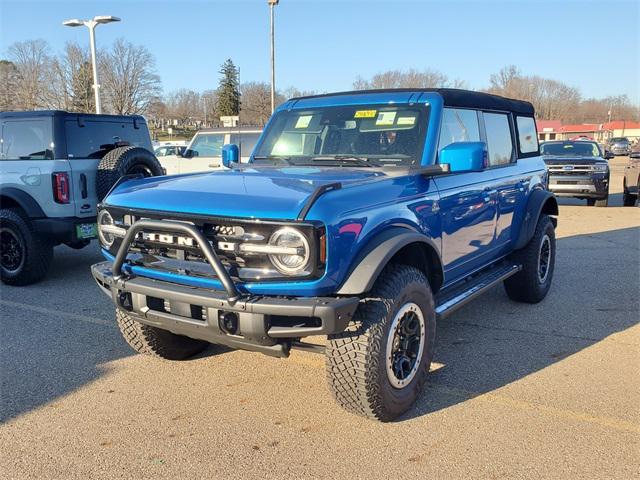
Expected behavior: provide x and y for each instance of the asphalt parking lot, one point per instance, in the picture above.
(518, 391)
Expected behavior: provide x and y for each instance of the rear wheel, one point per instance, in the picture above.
(628, 200)
(378, 366)
(24, 257)
(537, 258)
(155, 341)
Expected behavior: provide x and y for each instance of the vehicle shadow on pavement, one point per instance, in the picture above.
(57, 335)
(494, 341)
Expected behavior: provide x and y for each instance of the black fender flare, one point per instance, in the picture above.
(540, 201)
(24, 201)
(379, 251)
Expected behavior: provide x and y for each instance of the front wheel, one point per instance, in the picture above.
(537, 258)
(378, 366)
(155, 341)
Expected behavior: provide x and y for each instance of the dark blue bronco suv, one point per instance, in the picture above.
(364, 216)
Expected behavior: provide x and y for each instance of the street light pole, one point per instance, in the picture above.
(94, 64)
(91, 25)
(272, 4)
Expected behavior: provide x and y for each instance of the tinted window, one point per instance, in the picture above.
(207, 145)
(246, 142)
(27, 140)
(527, 135)
(92, 138)
(499, 140)
(458, 126)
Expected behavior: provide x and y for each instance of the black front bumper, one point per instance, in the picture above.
(62, 229)
(266, 324)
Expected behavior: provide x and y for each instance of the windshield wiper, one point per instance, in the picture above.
(363, 161)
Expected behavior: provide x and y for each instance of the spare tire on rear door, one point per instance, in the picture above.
(125, 161)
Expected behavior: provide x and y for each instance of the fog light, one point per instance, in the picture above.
(228, 322)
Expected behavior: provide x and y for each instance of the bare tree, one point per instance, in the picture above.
(184, 105)
(209, 100)
(71, 80)
(405, 79)
(128, 77)
(9, 84)
(32, 61)
(256, 103)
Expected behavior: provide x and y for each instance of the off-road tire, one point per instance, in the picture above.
(125, 161)
(628, 200)
(526, 285)
(355, 359)
(155, 341)
(37, 252)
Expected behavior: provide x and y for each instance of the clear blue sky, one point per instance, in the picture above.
(323, 45)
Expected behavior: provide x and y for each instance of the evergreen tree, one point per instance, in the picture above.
(228, 91)
(82, 89)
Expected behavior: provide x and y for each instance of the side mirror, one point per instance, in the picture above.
(230, 154)
(464, 156)
(608, 155)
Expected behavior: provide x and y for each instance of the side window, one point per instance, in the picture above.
(499, 141)
(458, 125)
(208, 145)
(245, 141)
(26, 140)
(92, 138)
(527, 135)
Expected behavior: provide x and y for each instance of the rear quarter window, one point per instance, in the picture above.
(26, 140)
(92, 138)
(527, 135)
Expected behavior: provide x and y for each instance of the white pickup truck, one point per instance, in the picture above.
(204, 152)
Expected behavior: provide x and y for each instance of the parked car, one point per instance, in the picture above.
(578, 169)
(362, 216)
(631, 181)
(54, 168)
(205, 149)
(169, 150)
(619, 146)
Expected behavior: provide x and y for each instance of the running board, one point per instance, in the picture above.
(455, 297)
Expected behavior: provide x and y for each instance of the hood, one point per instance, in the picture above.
(260, 192)
(568, 160)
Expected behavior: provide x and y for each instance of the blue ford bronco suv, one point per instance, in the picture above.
(363, 216)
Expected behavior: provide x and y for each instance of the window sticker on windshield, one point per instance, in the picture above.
(385, 118)
(365, 113)
(406, 120)
(303, 121)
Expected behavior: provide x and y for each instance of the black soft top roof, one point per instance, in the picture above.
(453, 97)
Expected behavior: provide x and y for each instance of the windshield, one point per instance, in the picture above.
(361, 135)
(619, 140)
(575, 149)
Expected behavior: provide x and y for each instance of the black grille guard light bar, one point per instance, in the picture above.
(176, 227)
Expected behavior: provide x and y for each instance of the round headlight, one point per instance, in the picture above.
(105, 220)
(296, 243)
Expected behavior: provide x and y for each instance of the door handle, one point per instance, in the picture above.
(83, 185)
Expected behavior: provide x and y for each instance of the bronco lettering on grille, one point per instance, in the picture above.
(168, 239)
